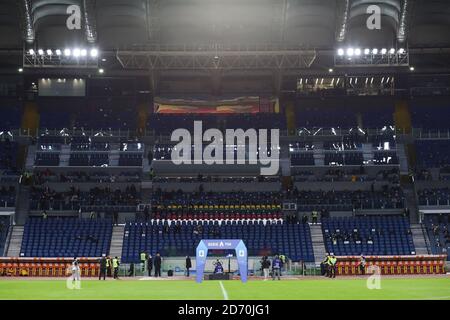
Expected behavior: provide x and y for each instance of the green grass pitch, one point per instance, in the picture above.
(354, 289)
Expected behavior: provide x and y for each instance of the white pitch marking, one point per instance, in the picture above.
(224, 292)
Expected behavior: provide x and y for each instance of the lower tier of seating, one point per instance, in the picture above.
(438, 227)
(368, 235)
(4, 227)
(181, 238)
(66, 237)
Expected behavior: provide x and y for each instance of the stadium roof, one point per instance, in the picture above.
(318, 24)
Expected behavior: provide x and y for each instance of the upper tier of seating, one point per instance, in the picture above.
(78, 114)
(368, 235)
(182, 238)
(66, 237)
(359, 174)
(430, 116)
(433, 153)
(389, 198)
(164, 123)
(11, 116)
(97, 199)
(8, 154)
(198, 200)
(7, 197)
(434, 197)
(343, 117)
(438, 227)
(41, 177)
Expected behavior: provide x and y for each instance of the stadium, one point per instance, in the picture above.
(224, 150)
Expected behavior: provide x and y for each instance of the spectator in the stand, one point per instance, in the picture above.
(304, 218)
(314, 216)
(116, 218)
(146, 214)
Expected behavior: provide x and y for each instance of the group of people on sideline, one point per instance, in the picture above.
(148, 263)
(109, 267)
(278, 262)
(328, 266)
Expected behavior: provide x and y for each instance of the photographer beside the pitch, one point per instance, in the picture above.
(276, 268)
(265, 265)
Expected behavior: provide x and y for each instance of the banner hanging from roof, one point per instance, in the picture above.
(224, 106)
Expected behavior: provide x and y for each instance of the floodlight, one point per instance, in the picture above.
(76, 52)
(94, 53)
(67, 52)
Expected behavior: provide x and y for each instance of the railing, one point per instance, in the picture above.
(438, 203)
(418, 133)
(60, 205)
(425, 238)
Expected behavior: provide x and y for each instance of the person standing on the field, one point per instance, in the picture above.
(362, 265)
(283, 262)
(108, 266)
(157, 263)
(333, 262)
(276, 267)
(115, 264)
(188, 265)
(150, 265)
(103, 266)
(143, 257)
(324, 265)
(265, 264)
(76, 277)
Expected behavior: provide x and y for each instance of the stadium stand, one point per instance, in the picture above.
(8, 154)
(216, 205)
(437, 227)
(433, 153)
(66, 237)
(163, 123)
(342, 200)
(4, 229)
(434, 197)
(95, 199)
(180, 238)
(368, 235)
